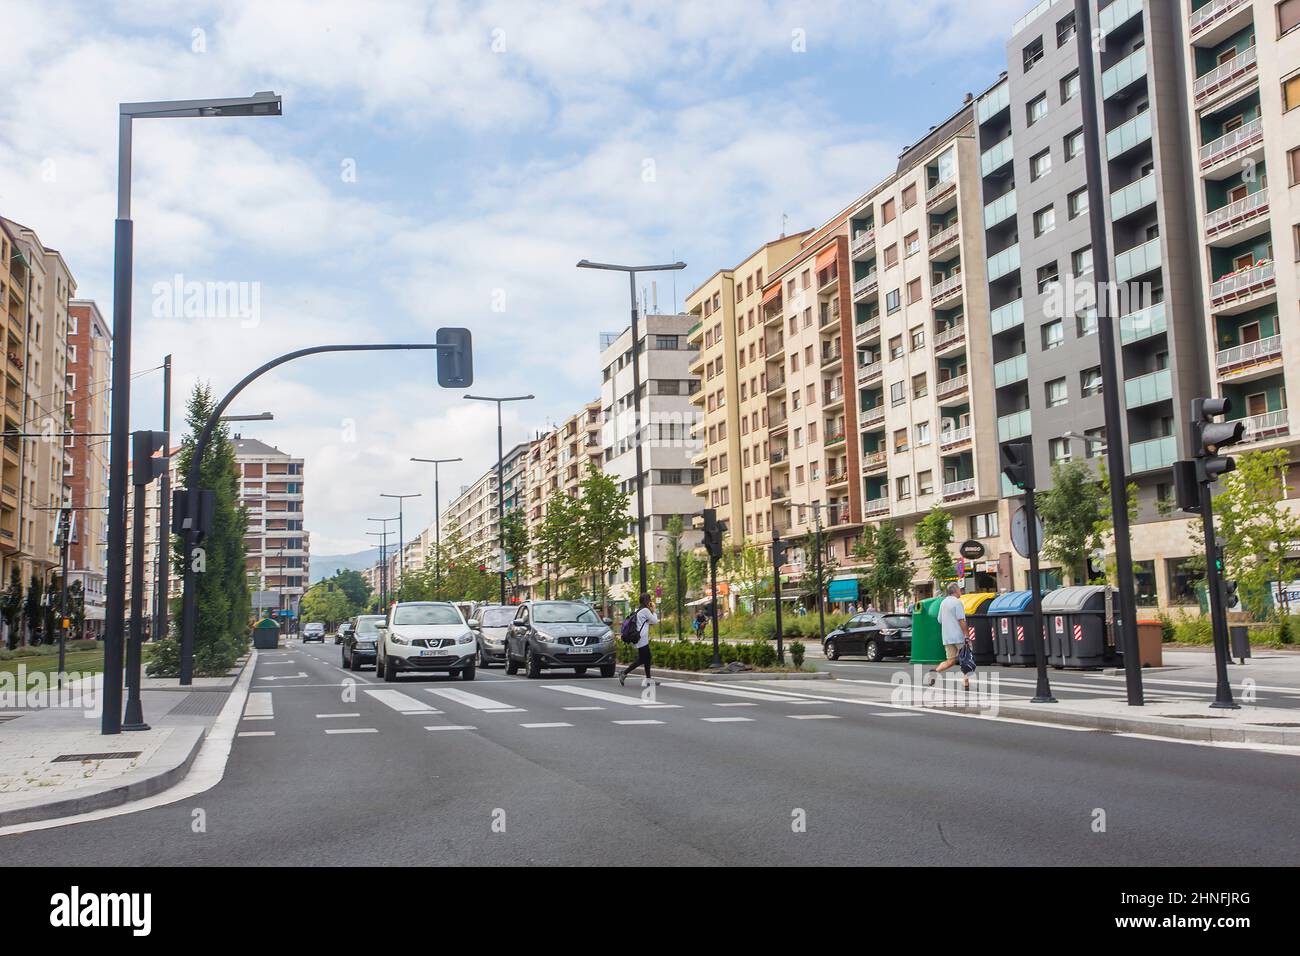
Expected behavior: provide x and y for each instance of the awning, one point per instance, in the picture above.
(842, 590)
(827, 256)
(772, 294)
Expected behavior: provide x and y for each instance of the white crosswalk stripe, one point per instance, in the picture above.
(637, 723)
(474, 700)
(402, 703)
(813, 716)
(594, 694)
(733, 692)
(259, 705)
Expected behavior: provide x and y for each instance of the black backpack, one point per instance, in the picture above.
(629, 632)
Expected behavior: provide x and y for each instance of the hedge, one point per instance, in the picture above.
(692, 656)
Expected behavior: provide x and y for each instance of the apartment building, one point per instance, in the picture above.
(730, 334)
(15, 287)
(664, 427)
(152, 554)
(474, 510)
(557, 462)
(90, 346)
(920, 332)
(277, 547)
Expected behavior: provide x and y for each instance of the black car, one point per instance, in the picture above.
(359, 644)
(342, 632)
(872, 634)
(546, 634)
(491, 622)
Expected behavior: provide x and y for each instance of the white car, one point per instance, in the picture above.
(429, 636)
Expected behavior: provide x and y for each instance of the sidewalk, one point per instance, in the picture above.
(55, 763)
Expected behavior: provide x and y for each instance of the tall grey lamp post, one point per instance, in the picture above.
(437, 520)
(401, 545)
(501, 491)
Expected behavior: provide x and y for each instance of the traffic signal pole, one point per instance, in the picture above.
(1043, 691)
(778, 553)
(1218, 612)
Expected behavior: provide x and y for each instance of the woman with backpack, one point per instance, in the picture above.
(642, 618)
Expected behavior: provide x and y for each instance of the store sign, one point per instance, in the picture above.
(971, 550)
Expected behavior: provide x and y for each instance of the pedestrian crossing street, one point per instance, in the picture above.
(557, 707)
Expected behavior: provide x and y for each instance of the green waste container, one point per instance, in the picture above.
(266, 634)
(927, 641)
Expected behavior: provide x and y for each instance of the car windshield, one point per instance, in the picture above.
(426, 614)
(497, 616)
(366, 625)
(564, 612)
(897, 620)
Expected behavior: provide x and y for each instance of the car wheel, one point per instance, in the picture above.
(832, 651)
(353, 663)
(468, 673)
(873, 651)
(606, 670)
(533, 665)
(483, 661)
(379, 665)
(511, 666)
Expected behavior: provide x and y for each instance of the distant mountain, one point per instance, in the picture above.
(327, 565)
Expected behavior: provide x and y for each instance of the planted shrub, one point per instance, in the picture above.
(796, 654)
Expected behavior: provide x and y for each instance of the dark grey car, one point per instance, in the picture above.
(359, 644)
(546, 634)
(491, 623)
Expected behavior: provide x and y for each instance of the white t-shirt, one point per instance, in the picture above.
(644, 618)
(952, 620)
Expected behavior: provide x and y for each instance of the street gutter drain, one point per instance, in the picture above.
(79, 758)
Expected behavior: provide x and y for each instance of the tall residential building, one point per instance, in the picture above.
(557, 462)
(278, 551)
(665, 429)
(15, 288)
(730, 333)
(474, 511)
(90, 346)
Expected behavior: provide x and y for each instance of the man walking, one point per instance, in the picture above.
(952, 630)
(645, 616)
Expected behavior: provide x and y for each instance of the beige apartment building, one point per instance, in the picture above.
(15, 288)
(90, 346)
(277, 546)
(730, 333)
(474, 510)
(556, 462)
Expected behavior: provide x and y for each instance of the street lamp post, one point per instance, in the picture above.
(384, 581)
(677, 576)
(817, 566)
(437, 521)
(401, 545)
(260, 104)
(501, 491)
(636, 396)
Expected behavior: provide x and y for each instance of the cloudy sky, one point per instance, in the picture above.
(447, 164)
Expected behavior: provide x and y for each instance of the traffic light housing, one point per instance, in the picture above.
(144, 466)
(201, 523)
(1018, 464)
(712, 534)
(780, 550)
(455, 358)
(1209, 437)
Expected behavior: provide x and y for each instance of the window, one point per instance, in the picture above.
(1070, 87)
(1044, 221)
(1065, 30)
(1036, 108)
(891, 302)
(900, 440)
(904, 487)
(1094, 443)
(1291, 92)
(1058, 450)
(1293, 160)
(1047, 275)
(1081, 260)
(912, 244)
(897, 396)
(918, 338)
(1057, 393)
(887, 212)
(1032, 54)
(1073, 144)
(1086, 322)
(1090, 381)
(914, 291)
(919, 387)
(984, 526)
(925, 483)
(1053, 335)
(896, 347)
(909, 196)
(1288, 16)
(922, 434)
(1078, 202)
(891, 256)
(1040, 165)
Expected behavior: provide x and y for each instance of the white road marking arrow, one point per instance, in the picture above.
(285, 676)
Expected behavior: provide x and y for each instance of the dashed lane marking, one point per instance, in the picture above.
(256, 733)
(332, 716)
(813, 716)
(544, 726)
(727, 720)
(637, 723)
(352, 730)
(259, 705)
(452, 727)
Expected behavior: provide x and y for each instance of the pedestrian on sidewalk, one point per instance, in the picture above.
(645, 616)
(952, 630)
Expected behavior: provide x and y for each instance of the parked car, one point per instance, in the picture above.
(313, 631)
(871, 634)
(343, 630)
(429, 636)
(467, 608)
(546, 634)
(359, 642)
(491, 622)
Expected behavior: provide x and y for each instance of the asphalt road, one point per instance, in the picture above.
(576, 770)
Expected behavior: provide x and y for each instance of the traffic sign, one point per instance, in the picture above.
(1020, 532)
(961, 569)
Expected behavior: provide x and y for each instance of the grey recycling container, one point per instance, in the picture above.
(1078, 637)
(1010, 616)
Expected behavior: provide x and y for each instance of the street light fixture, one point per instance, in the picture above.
(636, 395)
(401, 546)
(383, 560)
(501, 491)
(260, 104)
(437, 522)
(259, 417)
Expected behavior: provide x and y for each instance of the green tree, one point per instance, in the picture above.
(1072, 511)
(555, 540)
(749, 571)
(515, 530)
(11, 605)
(601, 530)
(331, 606)
(353, 584)
(77, 609)
(811, 580)
(934, 538)
(32, 610)
(890, 569)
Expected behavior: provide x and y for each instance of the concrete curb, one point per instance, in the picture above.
(705, 677)
(1212, 730)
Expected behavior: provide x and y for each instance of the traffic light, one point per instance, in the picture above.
(1209, 437)
(1187, 491)
(144, 466)
(780, 550)
(455, 358)
(712, 534)
(1018, 464)
(200, 524)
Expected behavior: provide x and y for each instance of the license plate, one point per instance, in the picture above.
(581, 650)
(429, 653)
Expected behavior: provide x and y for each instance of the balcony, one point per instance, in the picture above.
(1239, 219)
(778, 423)
(1128, 135)
(1241, 360)
(945, 239)
(862, 241)
(1116, 15)
(942, 195)
(955, 437)
(831, 357)
(1240, 288)
(1138, 261)
(949, 387)
(1004, 263)
(1124, 73)
(1013, 426)
(1157, 386)
(779, 457)
(958, 489)
(866, 331)
(836, 476)
(775, 384)
(950, 338)
(833, 439)
(1009, 316)
(875, 506)
(1226, 77)
(949, 289)
(996, 156)
(833, 396)
(1235, 145)
(1133, 197)
(1142, 324)
(1010, 371)
(1000, 209)
(779, 493)
(1152, 455)
(1217, 19)
(872, 415)
(868, 284)
(993, 103)
(1266, 426)
(867, 373)
(874, 460)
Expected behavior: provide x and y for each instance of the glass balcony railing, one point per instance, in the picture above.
(1153, 454)
(1010, 371)
(994, 103)
(1007, 316)
(999, 209)
(1015, 425)
(1134, 196)
(1142, 324)
(996, 156)
(1148, 389)
(1004, 262)
(1128, 135)
(1117, 14)
(1124, 73)
(1137, 261)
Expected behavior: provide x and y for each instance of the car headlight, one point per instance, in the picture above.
(466, 638)
(398, 639)
(543, 636)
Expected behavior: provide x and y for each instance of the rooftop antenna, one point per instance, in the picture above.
(785, 221)
(654, 295)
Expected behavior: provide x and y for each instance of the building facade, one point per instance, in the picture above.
(277, 545)
(556, 464)
(90, 347)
